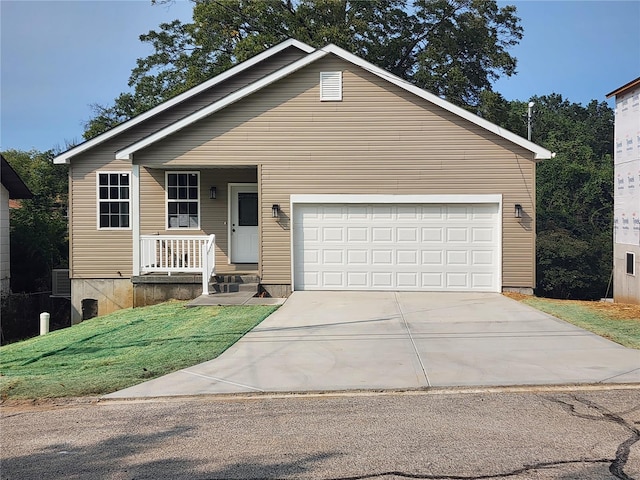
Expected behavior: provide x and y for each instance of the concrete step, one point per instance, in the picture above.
(238, 278)
(226, 287)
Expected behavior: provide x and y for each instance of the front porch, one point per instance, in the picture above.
(183, 267)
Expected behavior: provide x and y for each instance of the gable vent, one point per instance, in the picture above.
(330, 86)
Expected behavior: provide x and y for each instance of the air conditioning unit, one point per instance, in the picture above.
(60, 283)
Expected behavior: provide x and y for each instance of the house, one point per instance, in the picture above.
(312, 169)
(12, 188)
(626, 218)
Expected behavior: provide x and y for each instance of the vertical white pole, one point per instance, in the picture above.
(44, 323)
(135, 217)
(529, 107)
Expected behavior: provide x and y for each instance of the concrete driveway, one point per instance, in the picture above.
(323, 341)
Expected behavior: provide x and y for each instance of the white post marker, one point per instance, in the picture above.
(44, 323)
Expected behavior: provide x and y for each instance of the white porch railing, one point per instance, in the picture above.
(178, 253)
(208, 261)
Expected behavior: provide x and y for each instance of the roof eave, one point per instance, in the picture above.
(65, 157)
(539, 152)
(127, 152)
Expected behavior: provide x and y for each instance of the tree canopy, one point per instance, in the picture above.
(574, 198)
(453, 48)
(39, 240)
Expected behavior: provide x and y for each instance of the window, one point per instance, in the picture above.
(331, 86)
(183, 200)
(114, 200)
(631, 263)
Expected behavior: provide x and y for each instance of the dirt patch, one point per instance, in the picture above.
(623, 311)
(12, 406)
(516, 296)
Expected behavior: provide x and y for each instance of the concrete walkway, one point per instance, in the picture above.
(328, 341)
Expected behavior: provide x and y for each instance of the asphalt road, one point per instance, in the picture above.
(545, 434)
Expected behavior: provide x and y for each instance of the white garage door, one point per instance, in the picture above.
(428, 247)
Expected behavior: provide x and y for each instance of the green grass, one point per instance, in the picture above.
(121, 349)
(592, 317)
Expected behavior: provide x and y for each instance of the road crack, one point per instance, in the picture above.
(603, 414)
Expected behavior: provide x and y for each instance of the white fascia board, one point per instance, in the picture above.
(540, 152)
(394, 199)
(65, 157)
(125, 153)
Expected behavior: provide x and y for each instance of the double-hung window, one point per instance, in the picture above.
(183, 199)
(114, 200)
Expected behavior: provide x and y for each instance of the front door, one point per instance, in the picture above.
(243, 230)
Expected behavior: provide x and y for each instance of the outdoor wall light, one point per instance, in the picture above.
(213, 193)
(275, 210)
(518, 211)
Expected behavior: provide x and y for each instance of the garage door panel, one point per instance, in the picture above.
(432, 281)
(481, 280)
(358, 279)
(483, 257)
(407, 257)
(407, 234)
(358, 234)
(457, 234)
(457, 280)
(432, 212)
(381, 213)
(382, 234)
(381, 257)
(457, 257)
(396, 247)
(432, 257)
(482, 234)
(432, 234)
(381, 279)
(358, 257)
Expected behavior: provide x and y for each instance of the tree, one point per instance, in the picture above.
(454, 48)
(39, 240)
(574, 197)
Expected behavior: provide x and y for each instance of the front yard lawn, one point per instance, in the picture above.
(618, 322)
(122, 349)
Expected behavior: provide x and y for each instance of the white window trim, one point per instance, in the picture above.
(166, 200)
(334, 96)
(99, 201)
(633, 264)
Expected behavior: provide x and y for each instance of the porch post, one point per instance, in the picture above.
(135, 217)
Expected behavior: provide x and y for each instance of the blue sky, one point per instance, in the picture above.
(58, 57)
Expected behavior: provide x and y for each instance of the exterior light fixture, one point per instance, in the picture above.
(213, 193)
(275, 210)
(518, 211)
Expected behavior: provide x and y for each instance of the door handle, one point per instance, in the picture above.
(233, 230)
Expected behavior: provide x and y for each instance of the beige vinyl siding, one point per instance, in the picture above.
(96, 253)
(108, 254)
(379, 140)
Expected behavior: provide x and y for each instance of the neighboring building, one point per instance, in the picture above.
(314, 170)
(626, 218)
(12, 188)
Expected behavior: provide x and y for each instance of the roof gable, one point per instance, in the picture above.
(65, 157)
(12, 181)
(539, 152)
